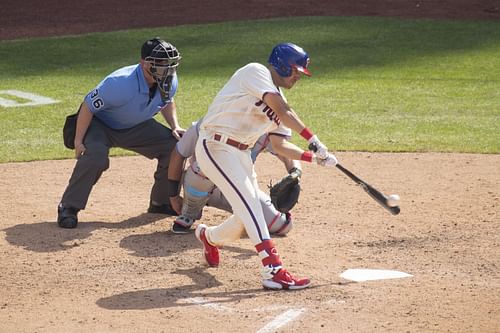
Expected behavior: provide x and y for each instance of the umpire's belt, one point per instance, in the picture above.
(231, 142)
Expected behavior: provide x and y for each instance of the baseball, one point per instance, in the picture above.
(393, 200)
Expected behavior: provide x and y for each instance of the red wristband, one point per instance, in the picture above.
(306, 133)
(307, 156)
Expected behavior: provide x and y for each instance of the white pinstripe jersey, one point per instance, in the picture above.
(186, 145)
(238, 110)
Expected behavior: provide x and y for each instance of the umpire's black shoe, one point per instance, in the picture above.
(67, 217)
(165, 209)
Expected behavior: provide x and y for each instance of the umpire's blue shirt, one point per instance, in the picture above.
(122, 100)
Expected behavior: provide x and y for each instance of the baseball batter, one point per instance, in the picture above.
(249, 105)
(200, 191)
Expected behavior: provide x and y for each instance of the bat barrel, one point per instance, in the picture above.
(374, 193)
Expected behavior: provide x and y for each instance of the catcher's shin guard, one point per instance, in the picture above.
(194, 201)
(196, 193)
(280, 225)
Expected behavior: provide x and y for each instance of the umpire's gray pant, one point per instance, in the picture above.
(150, 139)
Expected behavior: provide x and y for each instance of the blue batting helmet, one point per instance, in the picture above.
(286, 56)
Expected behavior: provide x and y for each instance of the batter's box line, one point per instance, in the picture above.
(275, 324)
(206, 303)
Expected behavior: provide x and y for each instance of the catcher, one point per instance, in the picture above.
(199, 191)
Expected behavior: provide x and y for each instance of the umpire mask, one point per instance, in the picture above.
(164, 59)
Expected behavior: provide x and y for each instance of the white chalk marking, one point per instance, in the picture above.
(207, 304)
(270, 308)
(33, 99)
(361, 274)
(282, 320)
(217, 307)
(335, 301)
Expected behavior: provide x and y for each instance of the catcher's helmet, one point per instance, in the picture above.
(164, 59)
(286, 56)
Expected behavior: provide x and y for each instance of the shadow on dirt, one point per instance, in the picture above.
(187, 295)
(164, 244)
(48, 237)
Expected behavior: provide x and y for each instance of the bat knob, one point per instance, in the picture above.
(313, 147)
(395, 210)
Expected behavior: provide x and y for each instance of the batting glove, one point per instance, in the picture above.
(329, 161)
(320, 150)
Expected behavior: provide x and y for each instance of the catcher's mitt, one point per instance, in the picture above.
(285, 193)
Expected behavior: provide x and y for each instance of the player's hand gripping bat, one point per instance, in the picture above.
(373, 192)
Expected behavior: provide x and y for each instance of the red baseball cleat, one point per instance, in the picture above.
(210, 252)
(284, 280)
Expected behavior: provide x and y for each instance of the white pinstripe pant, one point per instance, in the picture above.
(232, 171)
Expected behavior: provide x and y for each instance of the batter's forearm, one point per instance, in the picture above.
(287, 116)
(287, 151)
(293, 122)
(293, 164)
(289, 163)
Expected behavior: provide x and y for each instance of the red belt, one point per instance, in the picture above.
(231, 142)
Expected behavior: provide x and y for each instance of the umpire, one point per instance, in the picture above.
(119, 113)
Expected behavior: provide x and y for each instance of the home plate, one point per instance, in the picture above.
(361, 274)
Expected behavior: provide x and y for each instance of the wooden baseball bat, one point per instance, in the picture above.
(373, 192)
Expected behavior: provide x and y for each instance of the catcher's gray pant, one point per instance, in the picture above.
(200, 191)
(150, 139)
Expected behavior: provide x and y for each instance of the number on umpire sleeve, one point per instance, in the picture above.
(96, 101)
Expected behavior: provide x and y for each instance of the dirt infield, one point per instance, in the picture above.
(123, 270)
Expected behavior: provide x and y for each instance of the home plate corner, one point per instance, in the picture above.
(362, 274)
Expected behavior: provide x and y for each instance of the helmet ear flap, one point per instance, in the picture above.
(280, 65)
(284, 70)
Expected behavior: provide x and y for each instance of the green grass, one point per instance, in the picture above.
(379, 84)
